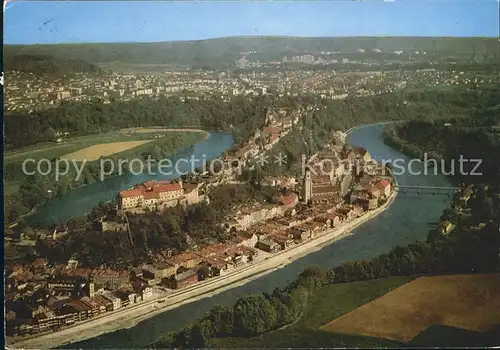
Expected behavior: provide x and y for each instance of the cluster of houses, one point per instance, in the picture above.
(278, 124)
(43, 297)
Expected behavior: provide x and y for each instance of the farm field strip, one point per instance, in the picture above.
(470, 302)
(74, 144)
(102, 150)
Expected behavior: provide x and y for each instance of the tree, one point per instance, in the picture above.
(201, 333)
(254, 315)
(223, 319)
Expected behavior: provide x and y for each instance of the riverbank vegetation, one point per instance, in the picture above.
(459, 252)
(318, 124)
(240, 115)
(475, 139)
(33, 190)
(472, 246)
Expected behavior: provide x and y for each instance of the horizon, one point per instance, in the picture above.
(164, 22)
(259, 36)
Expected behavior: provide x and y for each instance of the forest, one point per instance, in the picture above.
(447, 143)
(48, 65)
(241, 116)
(81, 118)
(222, 52)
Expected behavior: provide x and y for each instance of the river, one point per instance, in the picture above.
(81, 200)
(406, 221)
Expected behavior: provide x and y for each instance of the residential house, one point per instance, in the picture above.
(186, 260)
(300, 233)
(126, 297)
(385, 187)
(216, 266)
(247, 240)
(117, 303)
(103, 303)
(46, 321)
(347, 211)
(369, 204)
(268, 245)
(142, 290)
(84, 311)
(373, 191)
(39, 265)
(111, 279)
(184, 279)
(93, 305)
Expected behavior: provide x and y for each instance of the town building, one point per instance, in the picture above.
(155, 195)
(184, 279)
(268, 245)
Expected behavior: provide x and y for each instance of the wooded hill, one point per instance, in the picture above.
(45, 64)
(224, 51)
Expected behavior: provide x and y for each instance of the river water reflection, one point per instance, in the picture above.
(403, 223)
(81, 200)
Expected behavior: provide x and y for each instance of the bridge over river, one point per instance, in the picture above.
(433, 190)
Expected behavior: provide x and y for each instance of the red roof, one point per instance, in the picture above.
(288, 199)
(271, 130)
(40, 262)
(383, 184)
(135, 192)
(151, 189)
(168, 187)
(150, 195)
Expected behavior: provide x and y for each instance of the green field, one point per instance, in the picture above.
(159, 147)
(73, 144)
(326, 304)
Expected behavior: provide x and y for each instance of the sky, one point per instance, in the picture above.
(40, 22)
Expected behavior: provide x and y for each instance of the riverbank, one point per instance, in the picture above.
(129, 317)
(141, 130)
(193, 137)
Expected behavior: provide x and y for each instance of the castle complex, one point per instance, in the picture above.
(156, 195)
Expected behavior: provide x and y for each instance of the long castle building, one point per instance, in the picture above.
(157, 194)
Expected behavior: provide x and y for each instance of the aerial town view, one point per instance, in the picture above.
(228, 175)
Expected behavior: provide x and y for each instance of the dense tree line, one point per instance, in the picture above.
(35, 189)
(241, 115)
(447, 144)
(223, 52)
(48, 65)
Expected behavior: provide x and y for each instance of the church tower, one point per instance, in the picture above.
(90, 287)
(307, 186)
